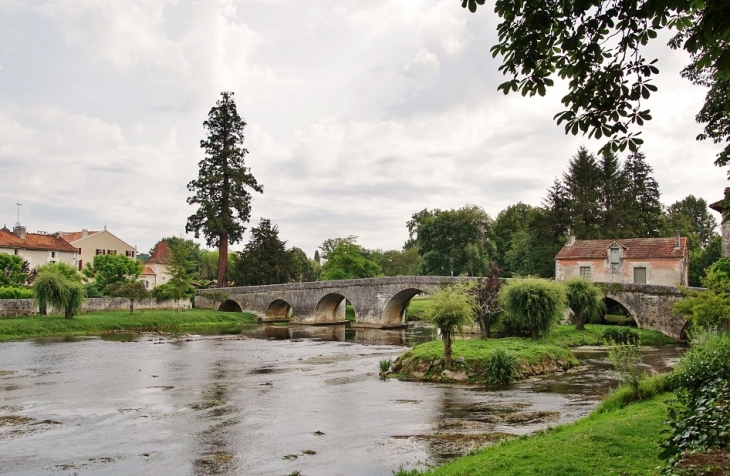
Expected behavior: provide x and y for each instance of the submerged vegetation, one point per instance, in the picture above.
(112, 321)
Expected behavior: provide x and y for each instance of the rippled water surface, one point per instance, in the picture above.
(269, 400)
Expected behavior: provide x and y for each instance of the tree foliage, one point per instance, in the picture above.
(348, 261)
(52, 288)
(486, 300)
(597, 46)
(265, 259)
(453, 242)
(696, 211)
(11, 270)
(586, 301)
(109, 269)
(450, 310)
(701, 259)
(709, 309)
(223, 188)
(396, 262)
(534, 304)
(132, 290)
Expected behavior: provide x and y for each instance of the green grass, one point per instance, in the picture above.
(479, 349)
(417, 308)
(567, 335)
(621, 442)
(106, 321)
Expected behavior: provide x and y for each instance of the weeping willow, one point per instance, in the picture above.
(52, 289)
(586, 301)
(534, 304)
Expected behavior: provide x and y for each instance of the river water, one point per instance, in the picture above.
(268, 400)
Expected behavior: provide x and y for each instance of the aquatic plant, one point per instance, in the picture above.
(499, 366)
(385, 365)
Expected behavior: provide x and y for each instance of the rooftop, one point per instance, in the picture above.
(634, 248)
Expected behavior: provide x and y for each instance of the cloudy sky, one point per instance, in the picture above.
(359, 112)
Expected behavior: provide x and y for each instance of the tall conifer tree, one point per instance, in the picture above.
(643, 204)
(222, 187)
(583, 184)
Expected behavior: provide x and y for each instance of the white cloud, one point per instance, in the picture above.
(359, 115)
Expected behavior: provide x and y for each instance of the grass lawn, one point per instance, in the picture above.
(474, 350)
(100, 322)
(622, 442)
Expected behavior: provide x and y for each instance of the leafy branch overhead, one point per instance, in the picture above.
(597, 46)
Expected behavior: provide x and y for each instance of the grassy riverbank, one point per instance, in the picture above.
(621, 442)
(568, 336)
(109, 321)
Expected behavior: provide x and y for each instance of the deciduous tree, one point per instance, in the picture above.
(223, 188)
(534, 304)
(347, 261)
(586, 301)
(108, 269)
(486, 301)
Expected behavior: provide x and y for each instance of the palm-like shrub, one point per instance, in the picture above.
(533, 303)
(450, 310)
(586, 301)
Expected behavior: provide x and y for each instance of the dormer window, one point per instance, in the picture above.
(614, 255)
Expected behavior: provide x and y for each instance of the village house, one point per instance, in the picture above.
(36, 248)
(156, 270)
(91, 243)
(661, 261)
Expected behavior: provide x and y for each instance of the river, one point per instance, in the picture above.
(268, 400)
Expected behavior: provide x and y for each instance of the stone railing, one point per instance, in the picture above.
(27, 307)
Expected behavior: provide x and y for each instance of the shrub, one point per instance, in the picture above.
(621, 336)
(699, 420)
(533, 303)
(92, 291)
(499, 366)
(13, 292)
(586, 301)
(626, 358)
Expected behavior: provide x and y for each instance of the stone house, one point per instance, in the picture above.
(156, 270)
(659, 261)
(91, 243)
(37, 248)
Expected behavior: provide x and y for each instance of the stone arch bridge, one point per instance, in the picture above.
(382, 302)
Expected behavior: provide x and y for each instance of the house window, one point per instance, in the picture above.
(146, 284)
(53, 254)
(99, 252)
(130, 254)
(585, 272)
(78, 250)
(640, 275)
(81, 264)
(111, 252)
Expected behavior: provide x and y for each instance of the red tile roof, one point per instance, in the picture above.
(161, 254)
(72, 236)
(634, 248)
(35, 241)
(148, 271)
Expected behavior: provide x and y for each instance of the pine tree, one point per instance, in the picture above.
(582, 184)
(222, 187)
(265, 259)
(613, 187)
(642, 197)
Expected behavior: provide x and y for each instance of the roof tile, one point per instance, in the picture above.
(35, 241)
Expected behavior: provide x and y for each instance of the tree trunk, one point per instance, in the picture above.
(535, 334)
(447, 351)
(131, 306)
(68, 314)
(222, 260)
(580, 322)
(482, 328)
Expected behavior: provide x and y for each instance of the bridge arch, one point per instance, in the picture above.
(331, 308)
(394, 313)
(229, 305)
(626, 304)
(615, 307)
(278, 309)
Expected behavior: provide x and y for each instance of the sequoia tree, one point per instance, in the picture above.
(222, 189)
(598, 47)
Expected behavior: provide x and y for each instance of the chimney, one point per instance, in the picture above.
(571, 238)
(19, 231)
(84, 233)
(677, 240)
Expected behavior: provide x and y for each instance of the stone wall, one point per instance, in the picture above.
(26, 307)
